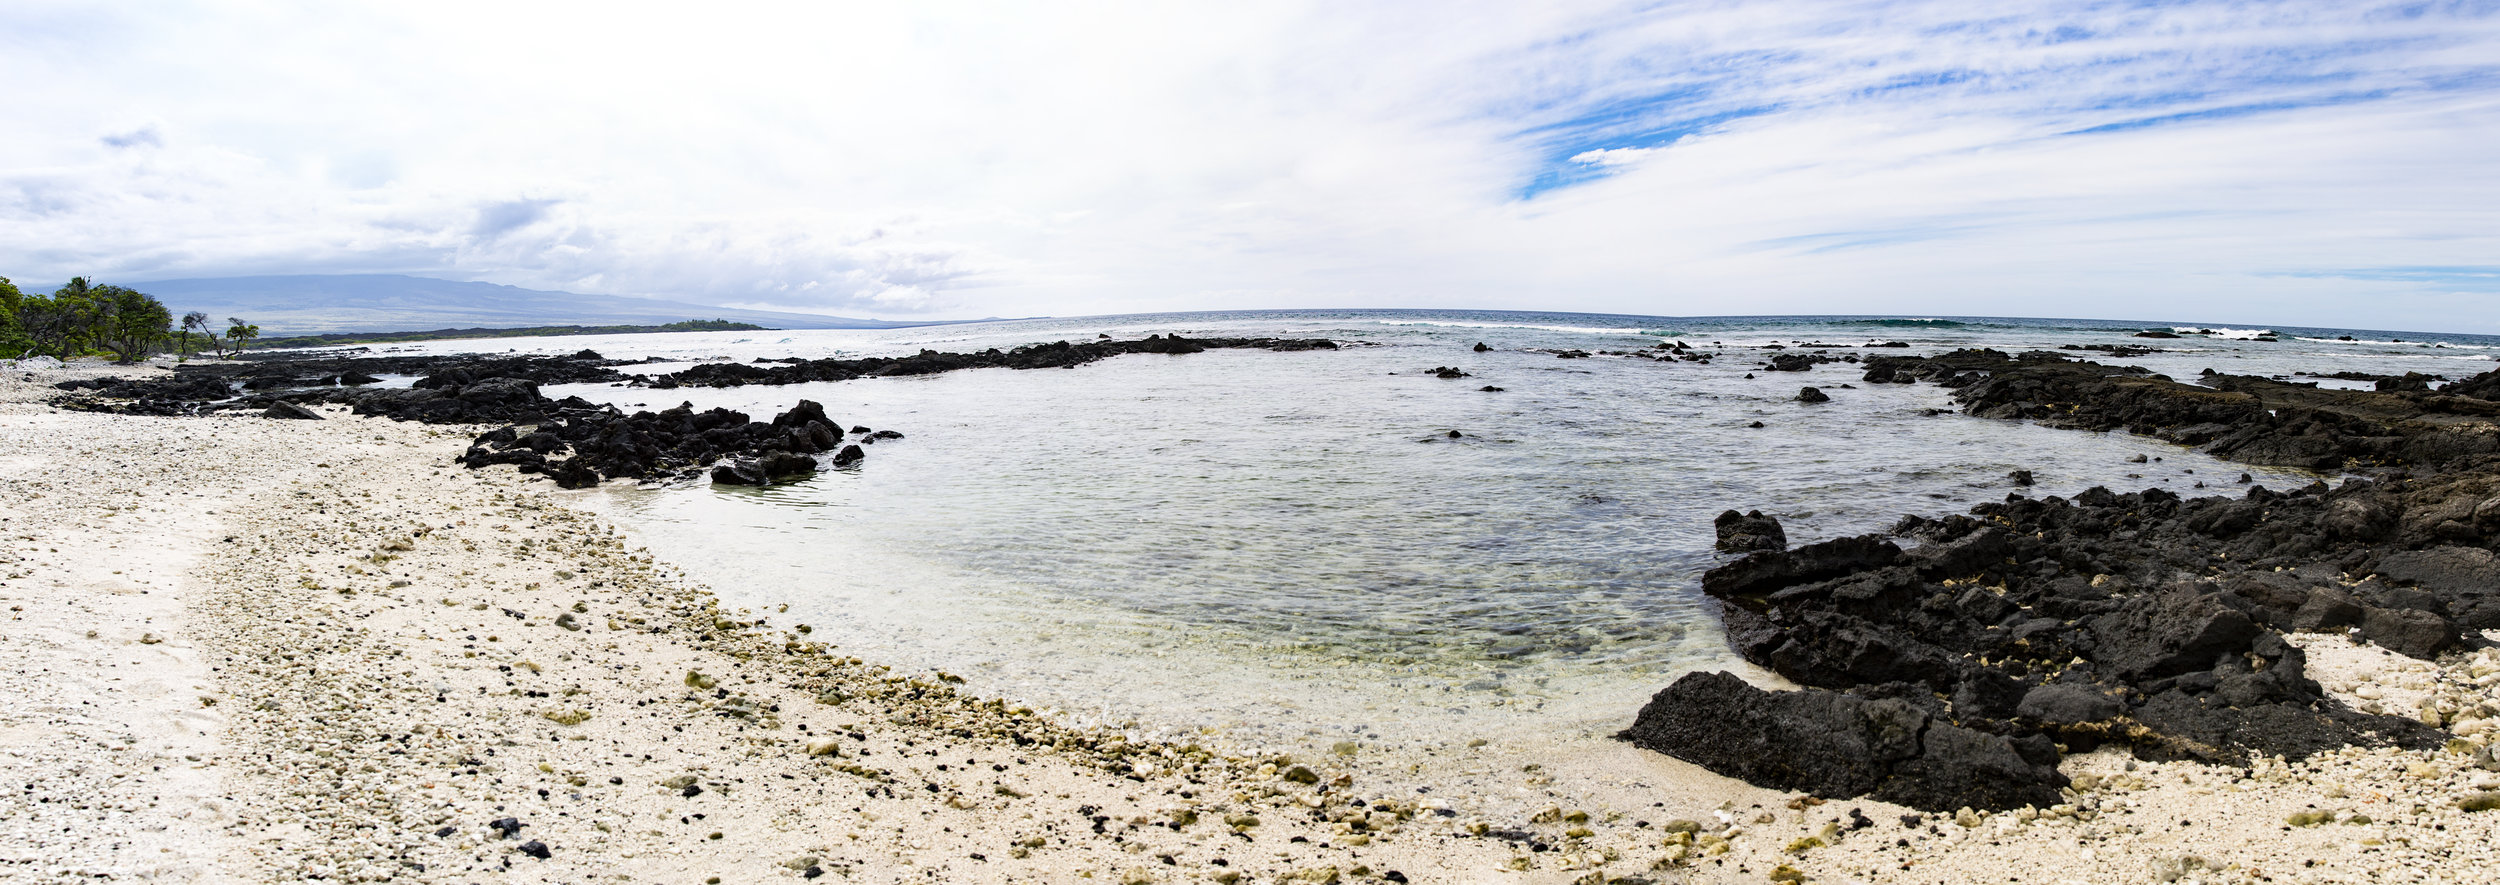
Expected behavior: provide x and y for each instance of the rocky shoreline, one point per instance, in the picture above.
(1958, 672)
(475, 389)
(572, 441)
(377, 666)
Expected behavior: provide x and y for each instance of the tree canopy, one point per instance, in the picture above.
(60, 324)
(238, 332)
(129, 322)
(85, 318)
(13, 340)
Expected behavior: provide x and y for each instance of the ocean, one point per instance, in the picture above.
(1292, 550)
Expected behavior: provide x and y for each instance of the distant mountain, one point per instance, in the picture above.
(294, 305)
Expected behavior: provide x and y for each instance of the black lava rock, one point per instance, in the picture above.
(1748, 532)
(1837, 745)
(2060, 702)
(604, 444)
(1770, 570)
(1055, 355)
(2143, 619)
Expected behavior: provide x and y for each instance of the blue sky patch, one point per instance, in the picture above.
(1652, 122)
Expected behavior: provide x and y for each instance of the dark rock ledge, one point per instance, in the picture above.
(1954, 673)
(1055, 355)
(580, 444)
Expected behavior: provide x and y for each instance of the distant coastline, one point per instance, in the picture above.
(343, 338)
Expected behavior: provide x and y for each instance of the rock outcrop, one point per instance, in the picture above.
(2144, 619)
(583, 449)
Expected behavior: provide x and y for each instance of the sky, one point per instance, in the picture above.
(2318, 163)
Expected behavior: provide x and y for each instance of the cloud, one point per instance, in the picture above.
(2059, 158)
(145, 136)
(496, 219)
(1612, 156)
(2483, 279)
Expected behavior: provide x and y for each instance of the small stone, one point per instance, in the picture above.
(535, 848)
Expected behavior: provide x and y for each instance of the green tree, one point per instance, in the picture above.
(238, 332)
(13, 340)
(60, 324)
(129, 322)
(196, 321)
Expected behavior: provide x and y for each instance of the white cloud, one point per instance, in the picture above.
(900, 159)
(1613, 156)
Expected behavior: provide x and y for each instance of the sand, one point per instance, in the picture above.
(248, 650)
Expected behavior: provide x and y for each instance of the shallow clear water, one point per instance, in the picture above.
(1290, 547)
